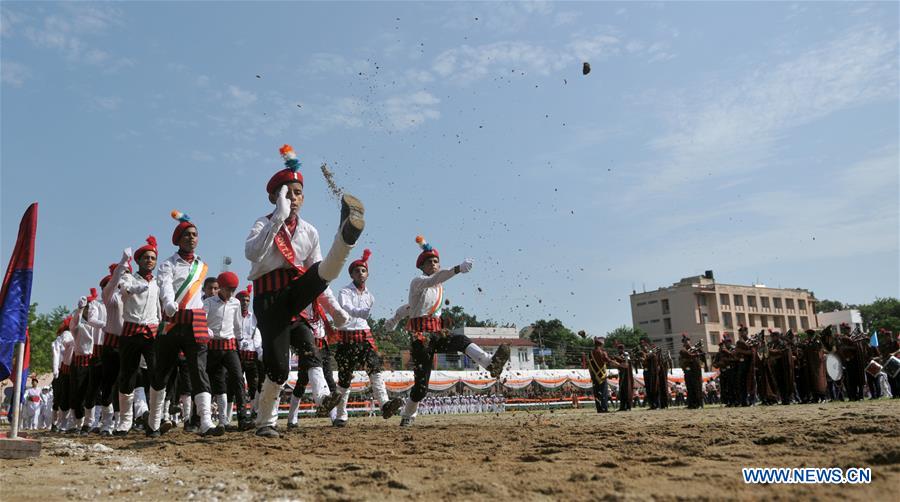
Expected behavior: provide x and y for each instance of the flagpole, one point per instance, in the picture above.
(17, 392)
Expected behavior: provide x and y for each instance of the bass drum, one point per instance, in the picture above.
(834, 365)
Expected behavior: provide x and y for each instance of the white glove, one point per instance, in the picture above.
(340, 317)
(170, 309)
(282, 204)
(82, 302)
(465, 266)
(127, 253)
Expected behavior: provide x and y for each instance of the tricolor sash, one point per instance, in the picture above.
(186, 291)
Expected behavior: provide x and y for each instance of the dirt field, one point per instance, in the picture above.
(671, 454)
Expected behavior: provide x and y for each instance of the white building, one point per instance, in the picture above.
(520, 349)
(851, 317)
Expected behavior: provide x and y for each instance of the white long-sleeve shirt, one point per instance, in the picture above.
(140, 300)
(426, 294)
(112, 298)
(223, 318)
(358, 304)
(56, 349)
(84, 330)
(66, 343)
(251, 339)
(264, 256)
(172, 274)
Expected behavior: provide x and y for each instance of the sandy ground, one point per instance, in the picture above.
(538, 455)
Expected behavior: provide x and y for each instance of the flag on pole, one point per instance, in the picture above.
(873, 342)
(15, 296)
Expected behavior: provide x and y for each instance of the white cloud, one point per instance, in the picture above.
(565, 18)
(109, 103)
(199, 156)
(236, 97)
(404, 112)
(14, 73)
(735, 126)
(67, 28)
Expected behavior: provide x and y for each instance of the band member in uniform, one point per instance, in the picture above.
(62, 349)
(723, 361)
(288, 274)
(782, 356)
(354, 346)
(650, 362)
(690, 358)
(745, 351)
(622, 362)
(853, 351)
(814, 364)
(109, 389)
(597, 364)
(429, 334)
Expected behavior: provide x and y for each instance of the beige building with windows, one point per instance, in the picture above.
(705, 309)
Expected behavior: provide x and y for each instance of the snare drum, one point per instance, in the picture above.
(873, 368)
(892, 366)
(834, 365)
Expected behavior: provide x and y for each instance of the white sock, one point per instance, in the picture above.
(340, 411)
(478, 355)
(292, 412)
(229, 411)
(269, 397)
(222, 413)
(332, 265)
(378, 388)
(126, 413)
(140, 401)
(410, 409)
(186, 405)
(319, 386)
(203, 401)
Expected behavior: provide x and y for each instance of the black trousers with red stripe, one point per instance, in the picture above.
(180, 339)
(225, 375)
(109, 387)
(61, 392)
(303, 371)
(95, 381)
(353, 356)
(131, 348)
(251, 374)
(274, 313)
(78, 386)
(422, 354)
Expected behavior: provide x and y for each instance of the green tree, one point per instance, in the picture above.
(883, 313)
(630, 337)
(460, 318)
(829, 306)
(42, 331)
(567, 348)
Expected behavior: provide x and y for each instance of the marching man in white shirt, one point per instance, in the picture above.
(63, 348)
(223, 314)
(139, 294)
(429, 335)
(249, 345)
(354, 345)
(85, 321)
(109, 351)
(288, 273)
(184, 328)
(32, 410)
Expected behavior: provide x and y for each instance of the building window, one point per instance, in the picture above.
(726, 319)
(789, 303)
(751, 301)
(764, 301)
(738, 301)
(792, 323)
(641, 304)
(741, 319)
(723, 299)
(654, 321)
(763, 321)
(667, 325)
(651, 302)
(752, 321)
(643, 323)
(801, 304)
(665, 307)
(804, 322)
(777, 302)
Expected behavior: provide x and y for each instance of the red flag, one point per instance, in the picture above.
(15, 296)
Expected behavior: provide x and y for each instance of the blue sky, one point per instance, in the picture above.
(759, 140)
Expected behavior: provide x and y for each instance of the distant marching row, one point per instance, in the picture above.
(195, 341)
